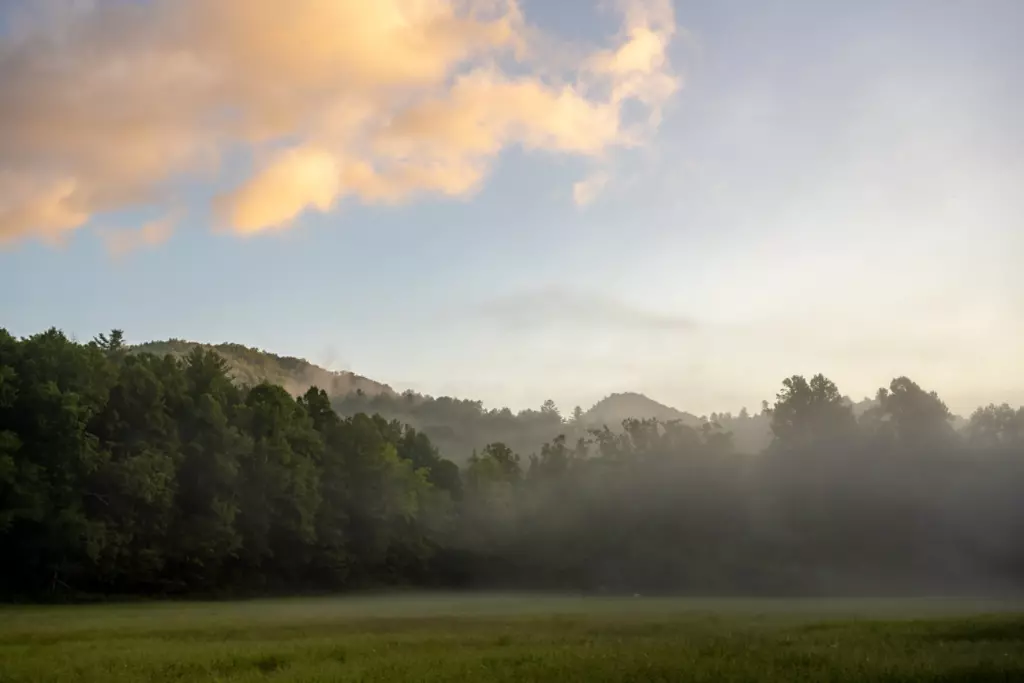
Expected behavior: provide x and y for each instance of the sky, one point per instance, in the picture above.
(515, 201)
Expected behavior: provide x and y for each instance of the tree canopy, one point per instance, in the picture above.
(143, 474)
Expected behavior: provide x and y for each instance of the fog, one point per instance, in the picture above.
(127, 473)
(728, 171)
(666, 510)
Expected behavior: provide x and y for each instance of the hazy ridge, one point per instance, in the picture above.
(461, 425)
(250, 365)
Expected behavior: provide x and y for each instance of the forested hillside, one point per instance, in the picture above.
(460, 427)
(457, 426)
(134, 473)
(252, 366)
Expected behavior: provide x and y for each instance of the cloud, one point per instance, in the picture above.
(121, 242)
(294, 179)
(104, 104)
(43, 206)
(639, 67)
(586, 191)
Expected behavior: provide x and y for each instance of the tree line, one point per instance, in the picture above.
(135, 474)
(460, 426)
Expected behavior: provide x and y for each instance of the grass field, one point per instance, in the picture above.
(516, 638)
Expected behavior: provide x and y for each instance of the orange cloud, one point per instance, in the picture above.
(122, 242)
(45, 207)
(383, 101)
(290, 182)
(586, 191)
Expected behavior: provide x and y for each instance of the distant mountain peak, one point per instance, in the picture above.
(616, 407)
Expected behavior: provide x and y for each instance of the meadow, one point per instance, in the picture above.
(516, 638)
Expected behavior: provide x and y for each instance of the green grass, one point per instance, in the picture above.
(516, 638)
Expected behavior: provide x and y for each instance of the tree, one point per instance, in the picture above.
(808, 413)
(279, 483)
(135, 474)
(111, 344)
(996, 427)
(204, 533)
(130, 495)
(554, 460)
(495, 464)
(549, 409)
(910, 416)
(333, 562)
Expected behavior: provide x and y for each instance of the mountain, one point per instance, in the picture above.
(614, 409)
(750, 433)
(458, 427)
(252, 366)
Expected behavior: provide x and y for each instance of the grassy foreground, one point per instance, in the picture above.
(516, 638)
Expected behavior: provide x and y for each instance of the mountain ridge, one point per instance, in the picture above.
(457, 426)
(462, 426)
(251, 365)
(638, 405)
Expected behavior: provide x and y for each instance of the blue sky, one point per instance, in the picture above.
(833, 187)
